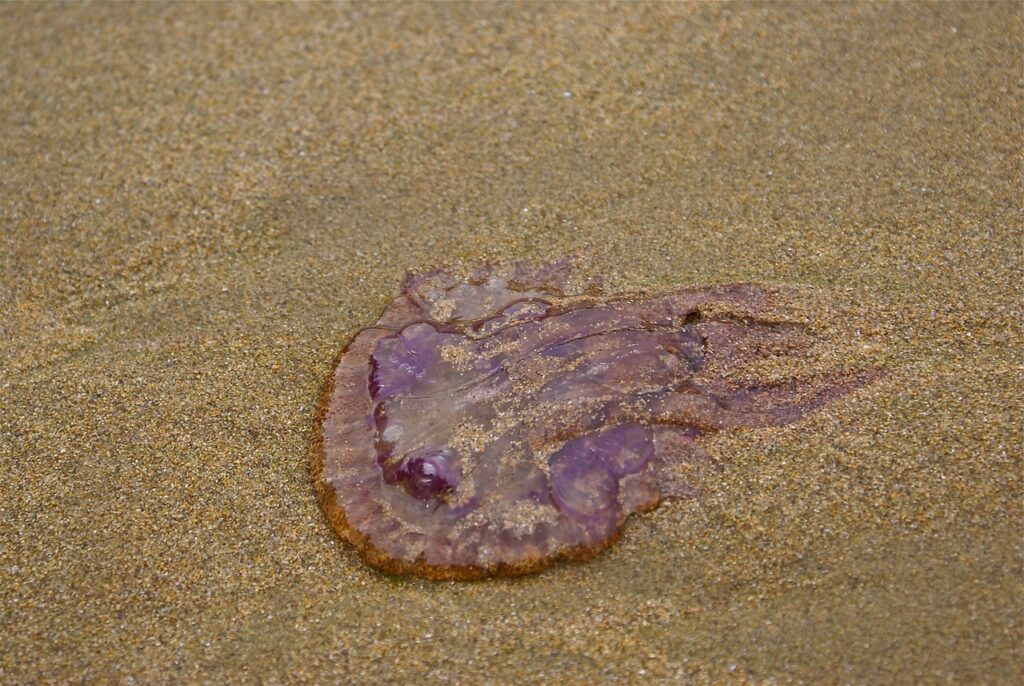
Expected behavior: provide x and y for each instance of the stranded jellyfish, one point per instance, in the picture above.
(492, 423)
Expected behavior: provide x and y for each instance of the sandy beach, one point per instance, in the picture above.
(201, 203)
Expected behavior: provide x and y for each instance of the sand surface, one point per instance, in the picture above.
(200, 203)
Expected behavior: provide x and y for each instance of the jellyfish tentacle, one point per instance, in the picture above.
(736, 343)
(718, 406)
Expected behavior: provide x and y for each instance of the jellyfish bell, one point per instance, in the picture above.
(493, 422)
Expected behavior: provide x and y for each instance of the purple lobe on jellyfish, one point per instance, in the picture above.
(430, 473)
(582, 485)
(401, 361)
(626, 448)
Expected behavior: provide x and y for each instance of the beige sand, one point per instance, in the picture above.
(198, 203)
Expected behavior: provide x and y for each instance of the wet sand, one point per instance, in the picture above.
(200, 203)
